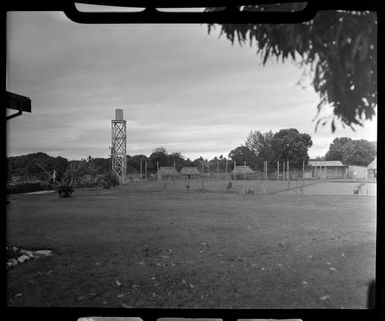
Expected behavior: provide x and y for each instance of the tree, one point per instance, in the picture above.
(160, 156)
(133, 163)
(285, 145)
(290, 145)
(177, 159)
(338, 49)
(335, 151)
(188, 162)
(351, 152)
(243, 154)
(358, 152)
(198, 164)
(258, 142)
(160, 150)
(219, 163)
(102, 165)
(26, 166)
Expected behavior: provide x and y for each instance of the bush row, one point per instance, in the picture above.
(106, 180)
(27, 187)
(101, 180)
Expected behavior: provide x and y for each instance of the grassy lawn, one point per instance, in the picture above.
(258, 187)
(329, 188)
(144, 246)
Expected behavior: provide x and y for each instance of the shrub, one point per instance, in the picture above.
(110, 180)
(85, 181)
(27, 187)
(229, 187)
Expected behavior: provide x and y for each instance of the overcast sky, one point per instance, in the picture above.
(179, 87)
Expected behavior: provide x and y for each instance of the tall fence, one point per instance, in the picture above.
(293, 174)
(281, 171)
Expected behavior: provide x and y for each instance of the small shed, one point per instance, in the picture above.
(241, 170)
(328, 169)
(167, 172)
(189, 171)
(372, 169)
(357, 172)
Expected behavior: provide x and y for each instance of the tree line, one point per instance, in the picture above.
(284, 145)
(352, 152)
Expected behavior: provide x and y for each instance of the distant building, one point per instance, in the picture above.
(167, 172)
(241, 171)
(357, 172)
(328, 169)
(372, 169)
(189, 171)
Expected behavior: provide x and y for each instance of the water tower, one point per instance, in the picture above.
(118, 149)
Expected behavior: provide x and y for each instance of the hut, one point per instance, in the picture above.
(167, 172)
(357, 172)
(328, 169)
(189, 172)
(241, 171)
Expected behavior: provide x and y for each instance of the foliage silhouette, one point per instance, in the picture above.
(338, 49)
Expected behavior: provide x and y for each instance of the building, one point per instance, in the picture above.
(189, 171)
(241, 171)
(167, 172)
(357, 172)
(328, 169)
(372, 169)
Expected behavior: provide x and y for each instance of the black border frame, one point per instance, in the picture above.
(150, 15)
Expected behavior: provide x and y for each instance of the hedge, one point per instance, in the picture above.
(27, 187)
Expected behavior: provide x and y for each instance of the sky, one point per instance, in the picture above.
(179, 87)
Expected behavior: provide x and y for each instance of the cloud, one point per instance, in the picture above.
(179, 87)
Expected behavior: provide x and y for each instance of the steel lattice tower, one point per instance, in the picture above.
(118, 149)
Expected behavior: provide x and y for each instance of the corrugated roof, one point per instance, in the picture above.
(373, 165)
(325, 163)
(189, 171)
(242, 170)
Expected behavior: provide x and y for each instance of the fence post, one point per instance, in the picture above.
(326, 172)
(265, 170)
(288, 173)
(277, 170)
(173, 176)
(235, 175)
(202, 176)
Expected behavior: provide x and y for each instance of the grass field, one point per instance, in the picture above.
(161, 246)
(258, 187)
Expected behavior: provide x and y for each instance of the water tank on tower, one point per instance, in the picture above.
(118, 150)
